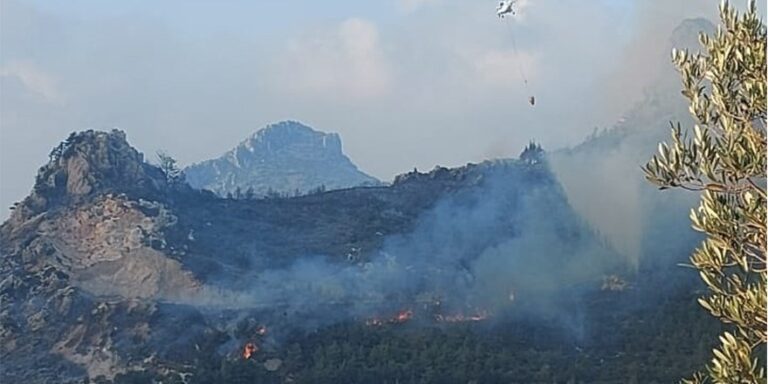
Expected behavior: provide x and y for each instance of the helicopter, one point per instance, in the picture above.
(505, 7)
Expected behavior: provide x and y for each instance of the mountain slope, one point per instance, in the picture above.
(285, 158)
(107, 269)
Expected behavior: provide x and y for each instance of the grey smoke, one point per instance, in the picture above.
(508, 245)
(603, 176)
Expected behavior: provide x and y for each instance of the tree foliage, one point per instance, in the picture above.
(532, 154)
(623, 344)
(726, 160)
(173, 174)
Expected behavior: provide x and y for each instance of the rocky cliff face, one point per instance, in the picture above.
(106, 269)
(284, 158)
(82, 262)
(88, 164)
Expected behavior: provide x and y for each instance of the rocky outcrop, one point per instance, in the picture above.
(82, 260)
(112, 248)
(87, 164)
(286, 158)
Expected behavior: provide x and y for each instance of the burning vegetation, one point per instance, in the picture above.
(406, 315)
(249, 350)
(401, 317)
(255, 333)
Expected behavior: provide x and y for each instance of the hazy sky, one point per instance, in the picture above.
(407, 83)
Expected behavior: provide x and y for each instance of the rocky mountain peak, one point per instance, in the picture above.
(288, 134)
(88, 163)
(286, 157)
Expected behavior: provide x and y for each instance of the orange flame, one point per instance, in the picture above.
(249, 350)
(403, 316)
(407, 315)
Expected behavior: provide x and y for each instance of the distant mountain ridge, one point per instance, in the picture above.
(286, 158)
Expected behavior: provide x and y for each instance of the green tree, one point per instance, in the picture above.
(726, 161)
(173, 174)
